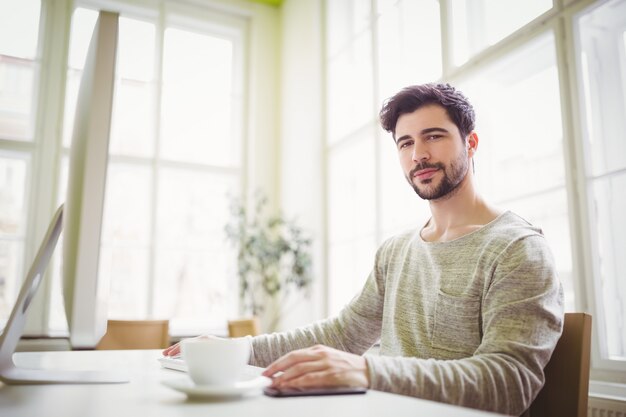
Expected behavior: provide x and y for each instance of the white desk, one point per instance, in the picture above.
(145, 396)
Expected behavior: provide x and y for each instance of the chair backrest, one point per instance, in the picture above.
(566, 389)
(245, 327)
(135, 334)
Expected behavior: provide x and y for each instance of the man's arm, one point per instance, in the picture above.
(354, 330)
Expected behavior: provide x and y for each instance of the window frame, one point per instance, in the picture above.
(52, 50)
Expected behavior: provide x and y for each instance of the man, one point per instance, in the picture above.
(468, 308)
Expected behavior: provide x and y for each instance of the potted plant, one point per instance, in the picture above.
(273, 260)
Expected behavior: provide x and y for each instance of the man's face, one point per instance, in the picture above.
(433, 155)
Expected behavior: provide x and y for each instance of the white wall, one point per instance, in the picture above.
(261, 163)
(261, 154)
(301, 132)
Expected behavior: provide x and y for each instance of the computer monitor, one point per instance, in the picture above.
(81, 221)
(85, 292)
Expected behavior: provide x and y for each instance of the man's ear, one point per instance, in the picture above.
(472, 143)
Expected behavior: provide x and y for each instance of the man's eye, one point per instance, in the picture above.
(405, 144)
(433, 137)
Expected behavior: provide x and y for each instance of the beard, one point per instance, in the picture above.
(453, 175)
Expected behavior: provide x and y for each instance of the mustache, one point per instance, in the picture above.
(425, 165)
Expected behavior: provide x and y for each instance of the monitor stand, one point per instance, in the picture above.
(9, 373)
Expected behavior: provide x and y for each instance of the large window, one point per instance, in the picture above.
(559, 165)
(175, 155)
(174, 163)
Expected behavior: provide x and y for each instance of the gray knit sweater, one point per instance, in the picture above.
(470, 322)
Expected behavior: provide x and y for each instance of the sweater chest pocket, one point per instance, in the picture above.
(456, 323)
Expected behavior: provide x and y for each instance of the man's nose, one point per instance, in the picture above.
(420, 154)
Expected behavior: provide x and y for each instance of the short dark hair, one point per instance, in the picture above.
(412, 98)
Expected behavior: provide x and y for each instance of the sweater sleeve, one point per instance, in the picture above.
(521, 321)
(355, 329)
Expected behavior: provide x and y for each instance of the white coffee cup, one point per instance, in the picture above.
(214, 360)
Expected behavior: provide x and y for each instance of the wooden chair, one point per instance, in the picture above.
(245, 327)
(135, 334)
(566, 390)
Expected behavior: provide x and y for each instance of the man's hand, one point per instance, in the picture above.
(319, 366)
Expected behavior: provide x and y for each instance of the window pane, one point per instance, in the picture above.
(11, 258)
(518, 112)
(13, 171)
(477, 24)
(123, 222)
(350, 92)
(351, 217)
(19, 28)
(192, 206)
(133, 121)
(135, 54)
(196, 284)
(126, 237)
(17, 98)
(351, 198)
(196, 289)
(13, 176)
(610, 232)
(345, 20)
(402, 61)
(196, 119)
(603, 61)
(126, 270)
(601, 39)
(19, 32)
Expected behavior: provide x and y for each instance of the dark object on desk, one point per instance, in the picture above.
(303, 392)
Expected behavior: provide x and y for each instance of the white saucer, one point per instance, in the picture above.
(249, 386)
